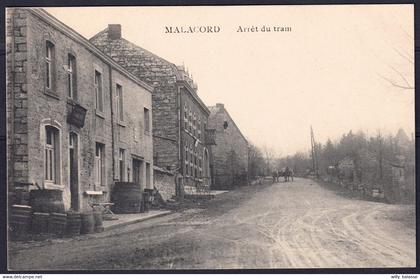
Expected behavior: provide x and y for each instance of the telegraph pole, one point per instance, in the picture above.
(314, 155)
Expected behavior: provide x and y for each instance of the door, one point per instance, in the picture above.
(74, 169)
(137, 171)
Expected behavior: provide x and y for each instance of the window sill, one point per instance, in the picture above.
(100, 114)
(52, 186)
(51, 94)
(93, 193)
(121, 123)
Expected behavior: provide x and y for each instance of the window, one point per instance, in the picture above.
(52, 153)
(148, 176)
(49, 61)
(99, 104)
(146, 120)
(72, 139)
(186, 153)
(194, 122)
(199, 127)
(186, 158)
(191, 153)
(119, 101)
(190, 121)
(199, 166)
(121, 159)
(99, 164)
(185, 117)
(71, 76)
(135, 136)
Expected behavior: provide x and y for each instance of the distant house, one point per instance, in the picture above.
(230, 154)
(346, 168)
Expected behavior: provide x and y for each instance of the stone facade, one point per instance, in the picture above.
(39, 49)
(164, 181)
(179, 116)
(230, 154)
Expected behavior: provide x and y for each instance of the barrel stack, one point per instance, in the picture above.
(20, 221)
(73, 223)
(87, 223)
(40, 222)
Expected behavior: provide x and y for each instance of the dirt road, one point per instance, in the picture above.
(285, 225)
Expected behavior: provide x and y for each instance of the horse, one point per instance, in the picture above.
(275, 176)
(288, 173)
(291, 173)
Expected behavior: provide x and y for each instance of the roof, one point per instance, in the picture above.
(220, 108)
(176, 71)
(72, 34)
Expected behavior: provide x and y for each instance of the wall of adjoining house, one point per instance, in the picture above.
(230, 154)
(158, 73)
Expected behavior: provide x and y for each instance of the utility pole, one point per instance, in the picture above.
(314, 155)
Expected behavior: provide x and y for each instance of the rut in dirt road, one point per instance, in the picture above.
(285, 225)
(303, 225)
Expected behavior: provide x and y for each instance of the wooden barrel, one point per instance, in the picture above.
(20, 221)
(40, 222)
(47, 200)
(57, 223)
(73, 223)
(97, 215)
(127, 197)
(87, 223)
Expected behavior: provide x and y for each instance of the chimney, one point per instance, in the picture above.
(219, 105)
(114, 31)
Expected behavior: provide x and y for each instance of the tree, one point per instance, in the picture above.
(269, 156)
(256, 161)
(399, 78)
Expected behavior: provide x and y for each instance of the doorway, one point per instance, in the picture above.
(137, 165)
(74, 170)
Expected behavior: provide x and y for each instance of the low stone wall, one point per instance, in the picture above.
(164, 182)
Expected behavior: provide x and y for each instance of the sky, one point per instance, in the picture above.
(335, 70)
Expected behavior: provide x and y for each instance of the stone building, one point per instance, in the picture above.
(179, 115)
(230, 154)
(76, 120)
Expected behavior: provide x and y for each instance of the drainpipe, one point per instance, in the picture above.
(112, 121)
(179, 127)
(10, 130)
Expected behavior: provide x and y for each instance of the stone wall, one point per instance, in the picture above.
(17, 98)
(230, 154)
(164, 182)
